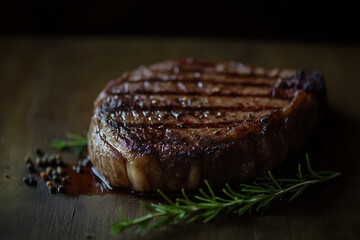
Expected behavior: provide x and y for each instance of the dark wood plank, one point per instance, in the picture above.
(47, 89)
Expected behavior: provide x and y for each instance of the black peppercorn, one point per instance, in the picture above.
(61, 188)
(51, 189)
(39, 152)
(27, 159)
(30, 167)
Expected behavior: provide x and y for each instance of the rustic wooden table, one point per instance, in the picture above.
(47, 89)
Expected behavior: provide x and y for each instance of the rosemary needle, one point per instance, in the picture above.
(258, 196)
(77, 142)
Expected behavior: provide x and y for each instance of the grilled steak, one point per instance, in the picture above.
(173, 124)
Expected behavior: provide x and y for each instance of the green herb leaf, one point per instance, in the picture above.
(77, 142)
(258, 196)
(58, 144)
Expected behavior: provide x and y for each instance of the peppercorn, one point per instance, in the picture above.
(61, 188)
(49, 170)
(45, 159)
(51, 189)
(64, 180)
(27, 159)
(45, 156)
(30, 167)
(38, 161)
(52, 160)
(43, 175)
(29, 181)
(39, 152)
(60, 170)
(59, 161)
(49, 183)
(25, 179)
(56, 178)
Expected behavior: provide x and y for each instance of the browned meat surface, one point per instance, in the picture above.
(173, 124)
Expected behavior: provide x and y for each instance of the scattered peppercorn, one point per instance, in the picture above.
(43, 175)
(45, 156)
(52, 160)
(38, 161)
(59, 161)
(56, 178)
(27, 159)
(30, 167)
(33, 182)
(61, 188)
(49, 170)
(51, 189)
(39, 152)
(64, 180)
(29, 181)
(60, 170)
(45, 159)
(49, 183)
(25, 179)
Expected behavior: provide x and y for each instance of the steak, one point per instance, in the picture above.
(174, 124)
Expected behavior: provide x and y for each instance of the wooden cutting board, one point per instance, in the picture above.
(48, 87)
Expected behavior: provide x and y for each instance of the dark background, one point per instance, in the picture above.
(56, 56)
(307, 21)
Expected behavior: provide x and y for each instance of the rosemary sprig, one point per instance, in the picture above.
(77, 142)
(258, 196)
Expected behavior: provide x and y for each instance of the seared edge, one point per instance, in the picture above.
(138, 162)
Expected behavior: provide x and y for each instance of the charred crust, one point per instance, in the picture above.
(206, 133)
(309, 82)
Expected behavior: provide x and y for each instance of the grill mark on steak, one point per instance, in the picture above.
(164, 119)
(173, 101)
(136, 93)
(274, 93)
(118, 124)
(201, 80)
(109, 109)
(200, 88)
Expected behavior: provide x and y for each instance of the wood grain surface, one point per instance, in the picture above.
(48, 87)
